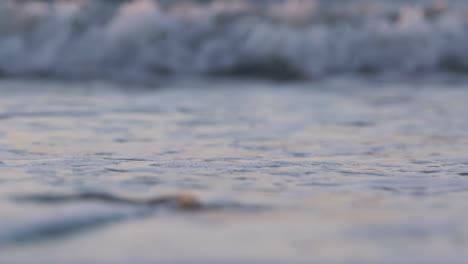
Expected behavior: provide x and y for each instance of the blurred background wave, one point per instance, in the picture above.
(268, 38)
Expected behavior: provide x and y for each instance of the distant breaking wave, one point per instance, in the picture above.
(272, 38)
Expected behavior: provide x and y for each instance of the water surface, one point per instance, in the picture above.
(344, 170)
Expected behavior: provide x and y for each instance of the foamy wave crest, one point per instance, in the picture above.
(282, 38)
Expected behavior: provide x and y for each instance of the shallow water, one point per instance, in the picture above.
(344, 170)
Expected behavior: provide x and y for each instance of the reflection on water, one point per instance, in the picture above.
(308, 172)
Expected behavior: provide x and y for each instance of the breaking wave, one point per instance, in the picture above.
(281, 38)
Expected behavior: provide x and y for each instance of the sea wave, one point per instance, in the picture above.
(88, 210)
(272, 38)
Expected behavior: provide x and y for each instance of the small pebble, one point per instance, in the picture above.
(187, 201)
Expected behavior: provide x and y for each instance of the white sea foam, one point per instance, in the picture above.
(282, 38)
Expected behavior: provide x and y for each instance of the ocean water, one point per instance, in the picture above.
(286, 39)
(261, 131)
(346, 170)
